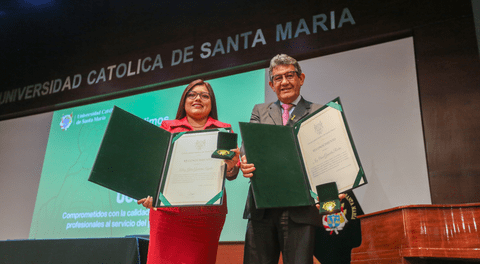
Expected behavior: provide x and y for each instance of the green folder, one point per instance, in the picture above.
(291, 161)
(135, 157)
(278, 179)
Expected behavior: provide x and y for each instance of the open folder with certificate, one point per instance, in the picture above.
(139, 159)
(291, 161)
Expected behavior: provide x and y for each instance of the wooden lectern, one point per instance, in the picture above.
(407, 234)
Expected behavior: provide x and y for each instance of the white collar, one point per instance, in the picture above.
(295, 102)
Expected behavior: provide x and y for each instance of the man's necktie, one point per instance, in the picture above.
(286, 108)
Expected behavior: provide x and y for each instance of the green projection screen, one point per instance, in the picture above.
(68, 206)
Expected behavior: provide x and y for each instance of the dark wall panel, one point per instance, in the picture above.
(449, 81)
(68, 39)
(101, 250)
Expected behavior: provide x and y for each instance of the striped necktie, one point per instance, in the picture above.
(286, 108)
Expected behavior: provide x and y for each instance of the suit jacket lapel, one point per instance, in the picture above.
(301, 110)
(275, 113)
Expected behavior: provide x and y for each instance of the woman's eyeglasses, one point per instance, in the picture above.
(192, 95)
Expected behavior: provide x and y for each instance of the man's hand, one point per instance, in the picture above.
(247, 168)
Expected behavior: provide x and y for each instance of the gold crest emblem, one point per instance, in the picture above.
(222, 152)
(329, 206)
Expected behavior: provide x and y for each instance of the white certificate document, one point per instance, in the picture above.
(326, 150)
(193, 177)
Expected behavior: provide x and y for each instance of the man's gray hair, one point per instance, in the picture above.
(284, 59)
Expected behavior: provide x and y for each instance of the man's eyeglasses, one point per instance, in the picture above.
(279, 77)
(192, 95)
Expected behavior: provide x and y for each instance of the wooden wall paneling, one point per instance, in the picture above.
(448, 70)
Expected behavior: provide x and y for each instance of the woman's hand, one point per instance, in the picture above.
(147, 203)
(233, 162)
(247, 168)
(232, 168)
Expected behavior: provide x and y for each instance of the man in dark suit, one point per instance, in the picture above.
(288, 230)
